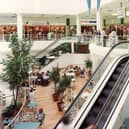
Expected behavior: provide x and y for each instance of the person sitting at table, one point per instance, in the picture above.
(72, 82)
(40, 116)
(45, 80)
(39, 79)
(82, 73)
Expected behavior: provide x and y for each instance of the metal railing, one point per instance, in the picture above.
(97, 39)
(33, 37)
(18, 115)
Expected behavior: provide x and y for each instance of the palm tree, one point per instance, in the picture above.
(17, 64)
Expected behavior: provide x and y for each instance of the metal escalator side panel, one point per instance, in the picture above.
(53, 45)
(120, 110)
(95, 93)
(99, 102)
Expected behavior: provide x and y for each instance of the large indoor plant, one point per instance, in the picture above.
(17, 64)
(55, 76)
(88, 64)
(63, 84)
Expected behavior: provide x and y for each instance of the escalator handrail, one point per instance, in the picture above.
(53, 44)
(94, 94)
(88, 82)
(108, 100)
(47, 47)
(117, 102)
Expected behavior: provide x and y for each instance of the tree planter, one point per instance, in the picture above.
(55, 97)
(59, 106)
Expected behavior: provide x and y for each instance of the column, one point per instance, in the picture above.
(78, 24)
(72, 47)
(19, 26)
(99, 20)
(67, 26)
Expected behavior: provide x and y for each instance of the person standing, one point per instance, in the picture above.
(41, 116)
(103, 35)
(113, 37)
(86, 37)
(31, 95)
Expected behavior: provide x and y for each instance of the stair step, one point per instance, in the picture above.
(115, 76)
(90, 120)
(111, 84)
(101, 101)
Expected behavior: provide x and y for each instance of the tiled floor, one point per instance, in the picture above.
(1, 125)
(44, 100)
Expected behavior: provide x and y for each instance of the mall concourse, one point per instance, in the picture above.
(70, 64)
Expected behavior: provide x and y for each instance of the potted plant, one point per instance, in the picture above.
(55, 76)
(88, 64)
(63, 84)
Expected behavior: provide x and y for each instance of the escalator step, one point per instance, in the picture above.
(98, 106)
(110, 84)
(123, 64)
(101, 101)
(115, 76)
(106, 92)
(118, 70)
(90, 120)
(96, 110)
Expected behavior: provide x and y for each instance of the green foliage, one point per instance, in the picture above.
(88, 64)
(66, 47)
(64, 83)
(17, 64)
(55, 76)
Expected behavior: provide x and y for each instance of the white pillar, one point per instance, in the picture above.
(72, 47)
(19, 26)
(78, 24)
(99, 20)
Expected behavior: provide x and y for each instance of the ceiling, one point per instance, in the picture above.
(108, 8)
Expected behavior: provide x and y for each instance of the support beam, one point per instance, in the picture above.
(19, 26)
(78, 24)
(99, 20)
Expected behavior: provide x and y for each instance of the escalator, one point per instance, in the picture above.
(56, 43)
(97, 109)
(106, 84)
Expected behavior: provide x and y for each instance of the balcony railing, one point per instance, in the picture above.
(96, 39)
(18, 115)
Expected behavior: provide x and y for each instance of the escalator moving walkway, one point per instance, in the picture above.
(96, 109)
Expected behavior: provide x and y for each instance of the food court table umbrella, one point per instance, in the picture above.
(27, 125)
